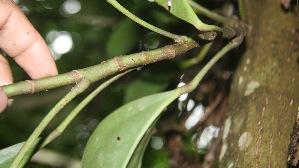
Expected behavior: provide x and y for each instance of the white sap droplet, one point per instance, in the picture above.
(214, 130)
(207, 135)
(195, 116)
(183, 97)
(190, 105)
(169, 3)
(204, 140)
(181, 84)
(181, 105)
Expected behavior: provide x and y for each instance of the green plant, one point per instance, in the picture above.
(128, 129)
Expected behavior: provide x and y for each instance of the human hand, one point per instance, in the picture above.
(20, 40)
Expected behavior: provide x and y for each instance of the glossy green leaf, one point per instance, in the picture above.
(133, 91)
(136, 159)
(123, 38)
(114, 141)
(150, 82)
(182, 10)
(8, 154)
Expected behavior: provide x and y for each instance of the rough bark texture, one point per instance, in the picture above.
(265, 91)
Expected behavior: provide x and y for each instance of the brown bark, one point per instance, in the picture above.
(265, 91)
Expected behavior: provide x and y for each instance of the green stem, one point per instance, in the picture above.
(79, 88)
(79, 107)
(100, 71)
(202, 10)
(241, 9)
(123, 10)
(203, 52)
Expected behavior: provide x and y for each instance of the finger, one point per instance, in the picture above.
(20, 40)
(5, 78)
(3, 101)
(5, 72)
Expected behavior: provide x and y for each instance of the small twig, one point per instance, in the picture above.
(77, 89)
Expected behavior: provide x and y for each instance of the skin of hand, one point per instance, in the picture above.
(20, 40)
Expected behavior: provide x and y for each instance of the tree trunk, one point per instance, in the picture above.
(264, 96)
